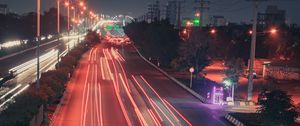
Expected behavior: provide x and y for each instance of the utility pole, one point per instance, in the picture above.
(252, 52)
(179, 14)
(38, 44)
(58, 17)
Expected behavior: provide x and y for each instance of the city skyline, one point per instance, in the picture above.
(233, 10)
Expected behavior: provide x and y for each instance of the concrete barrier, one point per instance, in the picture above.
(201, 98)
(233, 120)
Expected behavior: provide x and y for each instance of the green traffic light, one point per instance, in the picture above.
(196, 22)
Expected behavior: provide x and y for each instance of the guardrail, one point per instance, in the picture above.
(198, 96)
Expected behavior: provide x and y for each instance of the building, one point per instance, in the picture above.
(3, 9)
(272, 17)
(218, 21)
(171, 11)
(153, 11)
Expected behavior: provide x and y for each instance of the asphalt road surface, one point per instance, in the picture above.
(113, 87)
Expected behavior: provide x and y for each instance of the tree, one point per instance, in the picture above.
(157, 39)
(234, 69)
(277, 109)
(193, 52)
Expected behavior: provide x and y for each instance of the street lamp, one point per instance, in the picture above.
(81, 3)
(273, 31)
(250, 32)
(192, 69)
(38, 33)
(197, 14)
(67, 4)
(58, 16)
(213, 31)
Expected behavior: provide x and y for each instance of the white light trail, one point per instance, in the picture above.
(20, 91)
(12, 90)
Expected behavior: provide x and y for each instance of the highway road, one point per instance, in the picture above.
(101, 92)
(191, 108)
(24, 66)
(91, 100)
(114, 88)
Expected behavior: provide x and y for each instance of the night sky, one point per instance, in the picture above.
(233, 10)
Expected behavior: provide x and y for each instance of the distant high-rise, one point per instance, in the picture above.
(272, 17)
(153, 11)
(171, 11)
(3, 9)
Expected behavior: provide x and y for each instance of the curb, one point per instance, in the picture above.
(233, 120)
(201, 98)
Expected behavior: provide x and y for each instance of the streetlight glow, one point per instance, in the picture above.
(250, 32)
(81, 3)
(213, 31)
(67, 4)
(273, 31)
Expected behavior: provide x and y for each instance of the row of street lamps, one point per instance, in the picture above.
(82, 7)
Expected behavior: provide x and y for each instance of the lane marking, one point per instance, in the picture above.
(133, 102)
(178, 113)
(83, 97)
(101, 65)
(159, 98)
(117, 93)
(147, 96)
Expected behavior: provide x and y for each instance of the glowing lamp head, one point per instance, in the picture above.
(250, 32)
(273, 31)
(67, 4)
(192, 69)
(197, 14)
(184, 31)
(72, 7)
(188, 23)
(213, 31)
(84, 8)
(81, 3)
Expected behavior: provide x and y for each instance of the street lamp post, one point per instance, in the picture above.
(38, 44)
(191, 79)
(252, 53)
(58, 18)
(67, 4)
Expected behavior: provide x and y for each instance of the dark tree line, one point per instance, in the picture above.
(233, 41)
(158, 40)
(14, 26)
